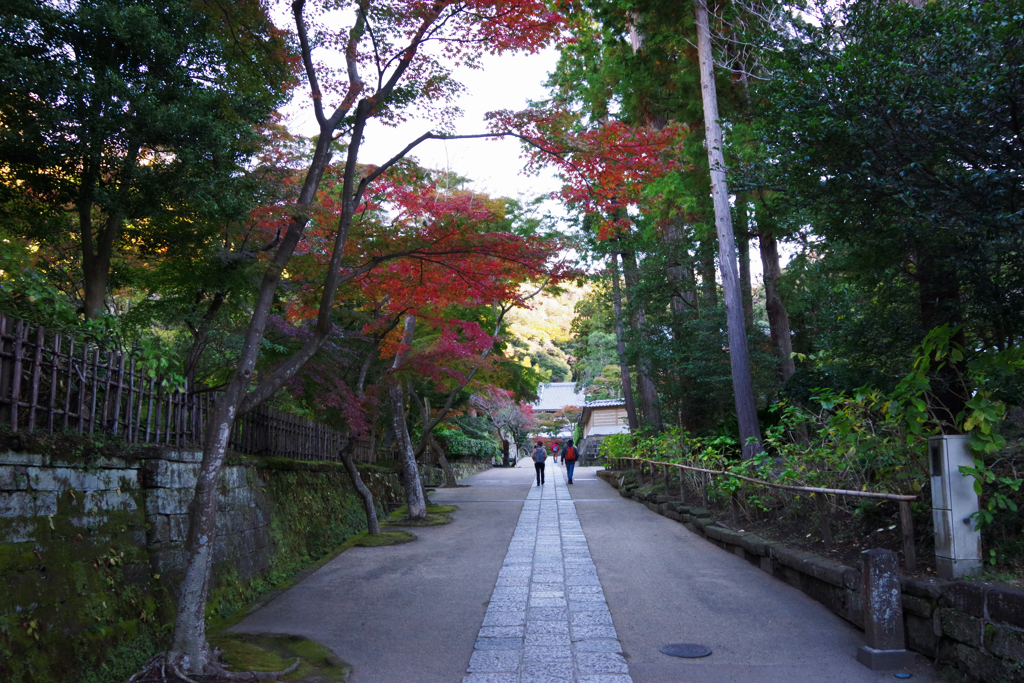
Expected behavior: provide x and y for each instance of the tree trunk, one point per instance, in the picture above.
(743, 243)
(648, 392)
(742, 382)
(372, 524)
(98, 245)
(706, 267)
(778, 318)
(200, 337)
(414, 497)
(504, 451)
(680, 272)
(97, 251)
(450, 480)
(190, 625)
(627, 382)
(189, 651)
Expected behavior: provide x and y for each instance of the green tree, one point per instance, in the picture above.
(896, 132)
(116, 113)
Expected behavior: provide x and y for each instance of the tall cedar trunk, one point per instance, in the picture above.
(743, 243)
(679, 273)
(706, 267)
(778, 318)
(684, 306)
(627, 381)
(742, 382)
(648, 392)
(414, 497)
(372, 524)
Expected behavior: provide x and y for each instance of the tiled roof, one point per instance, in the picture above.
(557, 395)
(606, 402)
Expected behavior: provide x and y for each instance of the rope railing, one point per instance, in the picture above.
(906, 518)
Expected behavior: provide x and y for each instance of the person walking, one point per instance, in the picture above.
(554, 453)
(569, 456)
(539, 456)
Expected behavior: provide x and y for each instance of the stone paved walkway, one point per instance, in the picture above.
(547, 620)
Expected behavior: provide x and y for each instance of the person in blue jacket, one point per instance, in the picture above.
(570, 455)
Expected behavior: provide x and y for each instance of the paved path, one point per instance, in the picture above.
(547, 621)
(665, 584)
(409, 613)
(509, 585)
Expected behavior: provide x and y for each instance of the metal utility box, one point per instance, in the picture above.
(957, 542)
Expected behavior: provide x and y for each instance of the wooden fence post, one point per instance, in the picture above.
(907, 527)
(826, 528)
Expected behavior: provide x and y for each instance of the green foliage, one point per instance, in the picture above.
(461, 441)
(135, 145)
(921, 195)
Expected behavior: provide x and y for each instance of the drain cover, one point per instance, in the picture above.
(688, 650)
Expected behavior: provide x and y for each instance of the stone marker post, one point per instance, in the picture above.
(883, 613)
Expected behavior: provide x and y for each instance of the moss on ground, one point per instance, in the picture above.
(431, 520)
(275, 652)
(384, 538)
(401, 512)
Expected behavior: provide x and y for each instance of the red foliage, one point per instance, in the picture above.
(605, 169)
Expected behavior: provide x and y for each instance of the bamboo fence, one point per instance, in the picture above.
(54, 382)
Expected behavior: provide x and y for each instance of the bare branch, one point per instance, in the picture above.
(307, 62)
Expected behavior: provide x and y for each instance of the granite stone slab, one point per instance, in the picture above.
(547, 620)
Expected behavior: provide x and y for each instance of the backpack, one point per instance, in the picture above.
(570, 453)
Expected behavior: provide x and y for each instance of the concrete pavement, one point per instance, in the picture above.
(412, 613)
(409, 613)
(665, 584)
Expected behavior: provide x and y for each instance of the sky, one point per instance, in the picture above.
(495, 167)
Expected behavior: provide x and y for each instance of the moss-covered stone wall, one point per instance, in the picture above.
(91, 549)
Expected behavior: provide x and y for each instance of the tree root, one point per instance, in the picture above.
(258, 675)
(177, 672)
(160, 663)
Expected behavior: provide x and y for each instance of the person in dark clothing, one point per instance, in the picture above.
(539, 456)
(569, 456)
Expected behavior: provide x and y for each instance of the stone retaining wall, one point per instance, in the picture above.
(91, 547)
(433, 475)
(974, 626)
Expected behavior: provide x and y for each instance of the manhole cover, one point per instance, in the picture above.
(688, 650)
